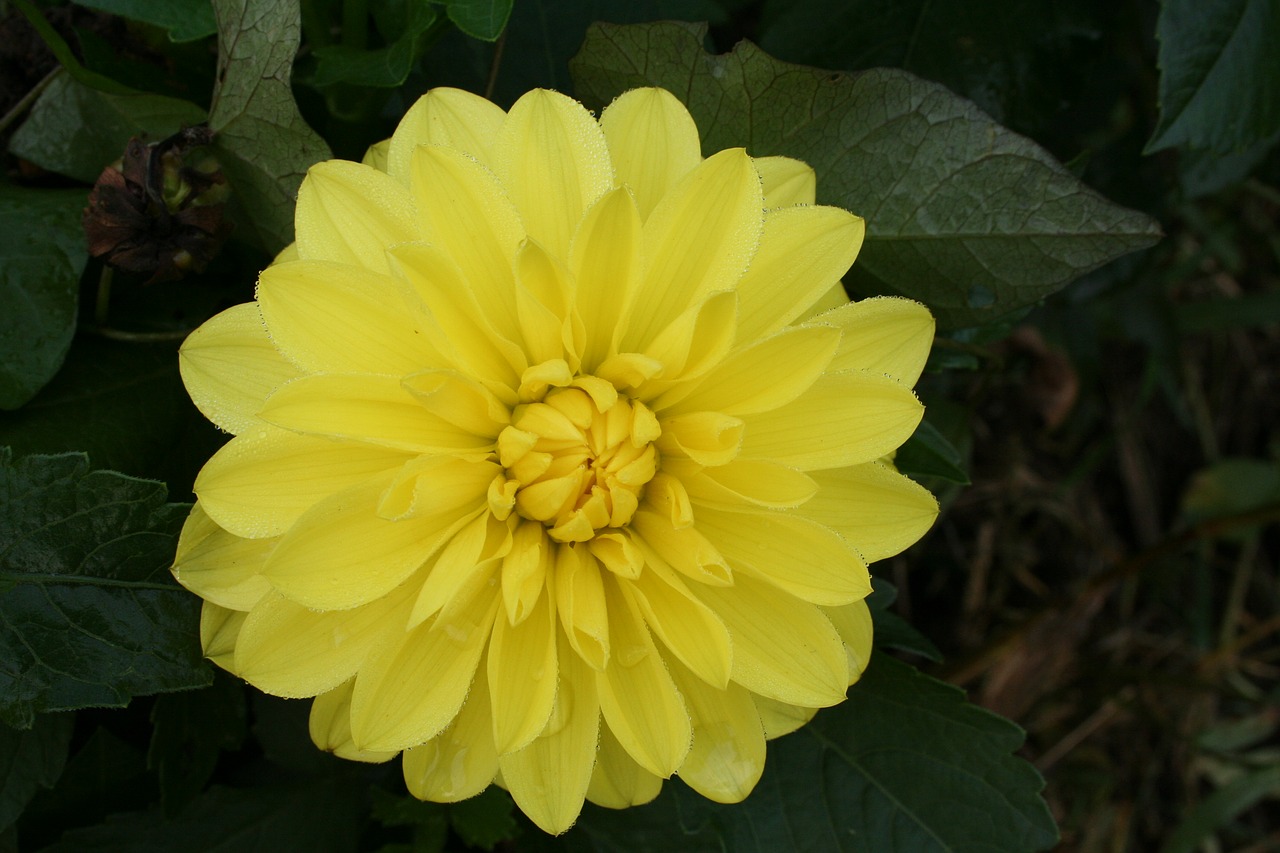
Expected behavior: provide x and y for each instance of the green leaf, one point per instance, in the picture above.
(1232, 487)
(63, 53)
(124, 405)
(962, 213)
(1221, 807)
(480, 19)
(31, 760)
(89, 614)
(77, 131)
(263, 144)
(321, 814)
(42, 254)
(1219, 74)
(429, 821)
(189, 730)
(382, 68)
(928, 453)
(185, 20)
(891, 630)
(485, 820)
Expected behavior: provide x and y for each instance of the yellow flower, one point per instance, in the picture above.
(555, 456)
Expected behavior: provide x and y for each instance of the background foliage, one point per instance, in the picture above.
(1101, 404)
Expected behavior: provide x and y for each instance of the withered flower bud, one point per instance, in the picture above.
(159, 209)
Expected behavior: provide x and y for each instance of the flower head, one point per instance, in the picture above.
(556, 455)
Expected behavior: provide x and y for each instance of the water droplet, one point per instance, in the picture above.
(630, 655)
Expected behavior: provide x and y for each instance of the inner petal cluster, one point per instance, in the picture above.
(579, 463)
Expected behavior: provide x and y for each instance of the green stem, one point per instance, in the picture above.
(314, 24)
(62, 51)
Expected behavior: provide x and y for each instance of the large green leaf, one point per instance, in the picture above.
(89, 614)
(1219, 74)
(480, 19)
(42, 253)
(185, 20)
(76, 130)
(904, 765)
(962, 214)
(384, 67)
(263, 143)
(189, 731)
(31, 760)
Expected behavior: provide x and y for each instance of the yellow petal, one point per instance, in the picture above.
(580, 602)
(352, 213)
(525, 569)
(757, 378)
(341, 553)
(449, 117)
(230, 367)
(437, 485)
(330, 726)
(748, 483)
(638, 699)
(408, 692)
(783, 648)
(461, 761)
(684, 549)
(522, 676)
(794, 554)
(878, 510)
(548, 778)
(708, 438)
(465, 212)
(618, 781)
(457, 566)
(259, 483)
(884, 334)
(365, 407)
(693, 633)
(653, 141)
(786, 182)
(834, 297)
(553, 161)
(287, 650)
(376, 155)
(330, 317)
(542, 303)
(451, 396)
(779, 718)
(727, 756)
(218, 566)
(700, 239)
(694, 343)
(219, 627)
(853, 622)
(803, 251)
(844, 419)
(604, 260)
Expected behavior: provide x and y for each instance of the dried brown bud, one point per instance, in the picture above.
(159, 210)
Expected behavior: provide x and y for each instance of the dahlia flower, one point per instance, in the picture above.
(557, 455)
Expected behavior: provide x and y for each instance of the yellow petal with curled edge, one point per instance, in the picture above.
(756, 378)
(746, 484)
(843, 419)
(779, 718)
(797, 555)
(525, 569)
(330, 726)
(638, 699)
(683, 548)
(884, 334)
(699, 239)
(653, 142)
(853, 622)
(708, 438)
(727, 756)
(390, 709)
(259, 483)
(454, 397)
(336, 318)
(690, 630)
(694, 343)
(604, 260)
(553, 162)
(219, 566)
(449, 117)
(548, 778)
(522, 675)
(878, 510)
(219, 628)
(457, 565)
(287, 650)
(618, 781)
(352, 213)
(783, 648)
(465, 212)
(580, 603)
(365, 407)
(786, 182)
(803, 250)
(229, 367)
(543, 296)
(461, 761)
(341, 553)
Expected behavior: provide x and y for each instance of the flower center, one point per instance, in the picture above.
(578, 466)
